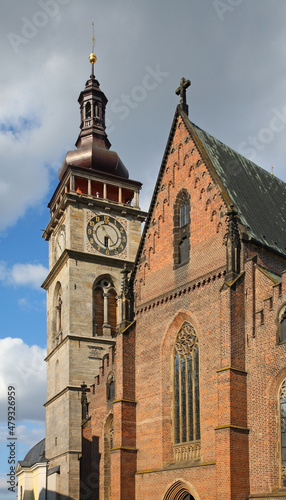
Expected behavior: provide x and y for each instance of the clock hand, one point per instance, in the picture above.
(108, 235)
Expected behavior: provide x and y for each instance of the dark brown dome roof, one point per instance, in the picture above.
(95, 158)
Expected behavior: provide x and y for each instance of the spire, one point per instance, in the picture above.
(92, 56)
(181, 91)
(92, 109)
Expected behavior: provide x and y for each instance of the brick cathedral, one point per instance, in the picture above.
(166, 351)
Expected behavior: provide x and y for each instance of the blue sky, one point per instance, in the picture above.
(232, 51)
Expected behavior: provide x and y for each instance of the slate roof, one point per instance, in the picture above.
(34, 455)
(258, 196)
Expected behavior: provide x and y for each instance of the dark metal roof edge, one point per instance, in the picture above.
(267, 247)
(192, 131)
(53, 470)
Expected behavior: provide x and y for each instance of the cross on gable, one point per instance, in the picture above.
(181, 91)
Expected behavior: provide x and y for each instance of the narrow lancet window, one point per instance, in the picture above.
(96, 110)
(186, 386)
(182, 229)
(88, 110)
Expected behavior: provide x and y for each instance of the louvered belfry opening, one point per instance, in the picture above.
(104, 308)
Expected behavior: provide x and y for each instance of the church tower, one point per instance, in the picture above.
(93, 233)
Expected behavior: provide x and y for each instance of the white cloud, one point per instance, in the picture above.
(31, 275)
(28, 274)
(31, 149)
(23, 367)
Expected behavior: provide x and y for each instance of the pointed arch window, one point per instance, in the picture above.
(88, 110)
(184, 212)
(186, 386)
(110, 388)
(181, 229)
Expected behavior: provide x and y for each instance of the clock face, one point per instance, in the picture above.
(60, 242)
(106, 234)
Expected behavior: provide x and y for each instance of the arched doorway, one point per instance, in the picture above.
(178, 491)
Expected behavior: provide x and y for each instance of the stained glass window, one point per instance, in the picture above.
(186, 386)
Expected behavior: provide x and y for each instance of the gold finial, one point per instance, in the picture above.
(92, 56)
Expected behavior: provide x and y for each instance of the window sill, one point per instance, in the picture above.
(187, 452)
(178, 266)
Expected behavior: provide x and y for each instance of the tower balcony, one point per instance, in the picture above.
(95, 190)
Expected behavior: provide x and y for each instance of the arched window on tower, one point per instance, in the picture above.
(104, 308)
(88, 110)
(96, 110)
(186, 393)
(58, 315)
(181, 229)
(283, 432)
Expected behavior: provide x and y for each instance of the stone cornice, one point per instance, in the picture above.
(78, 338)
(176, 466)
(73, 388)
(83, 257)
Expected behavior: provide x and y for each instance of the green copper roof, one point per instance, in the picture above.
(258, 196)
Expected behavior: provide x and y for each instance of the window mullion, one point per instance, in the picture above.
(187, 398)
(194, 393)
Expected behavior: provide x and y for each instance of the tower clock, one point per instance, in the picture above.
(106, 234)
